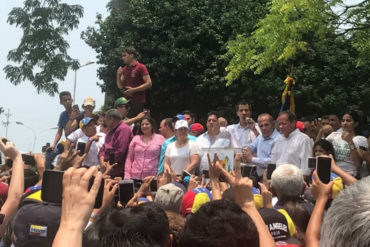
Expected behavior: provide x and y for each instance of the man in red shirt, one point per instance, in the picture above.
(133, 80)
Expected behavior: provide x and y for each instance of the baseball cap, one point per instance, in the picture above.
(194, 199)
(178, 117)
(300, 126)
(278, 222)
(89, 101)
(169, 196)
(36, 223)
(196, 127)
(181, 124)
(85, 121)
(121, 101)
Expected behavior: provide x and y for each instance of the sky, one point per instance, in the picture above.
(39, 113)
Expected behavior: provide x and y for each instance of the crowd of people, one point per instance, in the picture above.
(184, 192)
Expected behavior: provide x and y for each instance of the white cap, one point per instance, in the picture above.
(181, 124)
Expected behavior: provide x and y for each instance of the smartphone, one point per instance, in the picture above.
(28, 159)
(81, 147)
(112, 158)
(363, 148)
(248, 170)
(270, 170)
(75, 107)
(52, 188)
(324, 169)
(153, 186)
(184, 174)
(126, 191)
(205, 173)
(312, 163)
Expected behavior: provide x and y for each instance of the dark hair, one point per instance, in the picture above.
(150, 120)
(300, 217)
(291, 116)
(64, 93)
(188, 113)
(143, 225)
(219, 223)
(326, 145)
(130, 50)
(243, 102)
(356, 118)
(113, 113)
(168, 122)
(177, 223)
(30, 178)
(212, 113)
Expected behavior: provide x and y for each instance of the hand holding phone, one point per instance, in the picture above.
(81, 147)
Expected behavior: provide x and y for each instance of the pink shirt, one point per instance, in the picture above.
(143, 158)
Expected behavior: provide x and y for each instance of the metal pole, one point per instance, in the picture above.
(74, 87)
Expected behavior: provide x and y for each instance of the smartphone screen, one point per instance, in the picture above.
(324, 169)
(28, 159)
(75, 108)
(81, 147)
(153, 186)
(206, 173)
(126, 191)
(52, 188)
(270, 170)
(247, 170)
(312, 163)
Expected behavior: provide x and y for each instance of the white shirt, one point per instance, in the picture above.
(203, 141)
(240, 136)
(343, 152)
(180, 157)
(92, 157)
(295, 150)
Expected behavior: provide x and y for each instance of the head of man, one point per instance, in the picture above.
(65, 99)
(243, 111)
(334, 121)
(112, 118)
(223, 122)
(213, 125)
(88, 106)
(189, 116)
(219, 223)
(128, 55)
(287, 122)
(347, 221)
(266, 124)
(287, 182)
(166, 128)
(122, 105)
(88, 126)
(143, 225)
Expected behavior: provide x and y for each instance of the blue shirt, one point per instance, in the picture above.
(63, 119)
(163, 151)
(262, 147)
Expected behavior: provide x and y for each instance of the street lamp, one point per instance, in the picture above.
(34, 133)
(75, 81)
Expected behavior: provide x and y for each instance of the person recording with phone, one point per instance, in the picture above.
(259, 151)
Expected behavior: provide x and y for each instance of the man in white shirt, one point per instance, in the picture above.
(292, 146)
(213, 138)
(246, 130)
(87, 134)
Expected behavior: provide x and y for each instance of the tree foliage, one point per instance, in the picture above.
(41, 56)
(182, 43)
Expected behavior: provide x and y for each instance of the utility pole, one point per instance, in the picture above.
(6, 124)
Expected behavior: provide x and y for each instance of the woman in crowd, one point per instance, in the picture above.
(143, 154)
(347, 142)
(183, 154)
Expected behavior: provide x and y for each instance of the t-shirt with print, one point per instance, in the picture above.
(180, 157)
(343, 152)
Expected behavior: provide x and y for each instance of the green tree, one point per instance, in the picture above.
(42, 56)
(182, 43)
